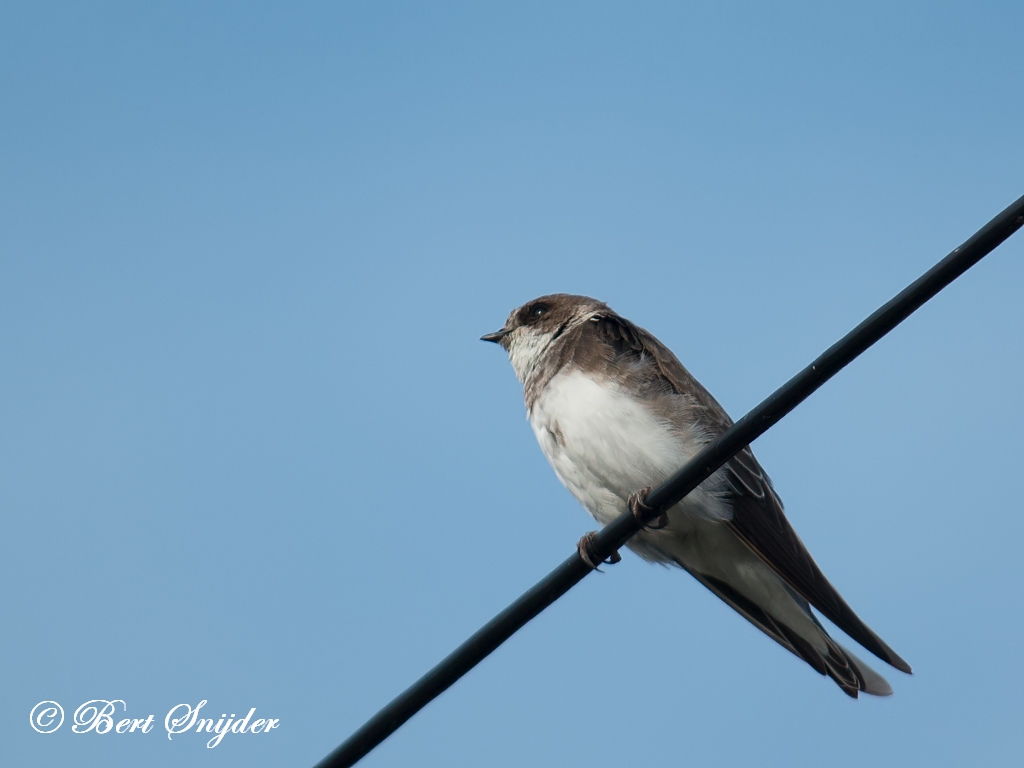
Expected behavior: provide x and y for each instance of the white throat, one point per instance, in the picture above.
(525, 352)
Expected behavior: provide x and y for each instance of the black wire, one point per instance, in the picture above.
(698, 469)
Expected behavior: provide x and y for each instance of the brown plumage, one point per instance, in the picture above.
(573, 352)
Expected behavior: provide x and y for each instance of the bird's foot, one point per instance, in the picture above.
(584, 547)
(638, 506)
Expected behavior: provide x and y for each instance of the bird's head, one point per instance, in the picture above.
(531, 328)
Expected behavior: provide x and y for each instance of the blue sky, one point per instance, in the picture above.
(252, 451)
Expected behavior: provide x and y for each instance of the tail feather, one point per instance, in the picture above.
(871, 681)
(851, 674)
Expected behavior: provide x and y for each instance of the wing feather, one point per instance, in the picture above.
(758, 516)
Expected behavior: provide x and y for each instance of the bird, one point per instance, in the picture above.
(616, 413)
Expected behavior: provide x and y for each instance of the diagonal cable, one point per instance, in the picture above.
(699, 468)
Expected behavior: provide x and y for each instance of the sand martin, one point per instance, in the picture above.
(615, 412)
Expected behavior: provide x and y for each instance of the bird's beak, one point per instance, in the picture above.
(496, 337)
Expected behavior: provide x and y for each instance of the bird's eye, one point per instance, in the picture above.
(537, 310)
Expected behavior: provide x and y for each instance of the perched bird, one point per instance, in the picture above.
(616, 413)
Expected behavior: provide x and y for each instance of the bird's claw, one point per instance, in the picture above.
(583, 546)
(638, 506)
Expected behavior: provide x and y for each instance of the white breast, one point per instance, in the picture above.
(605, 445)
